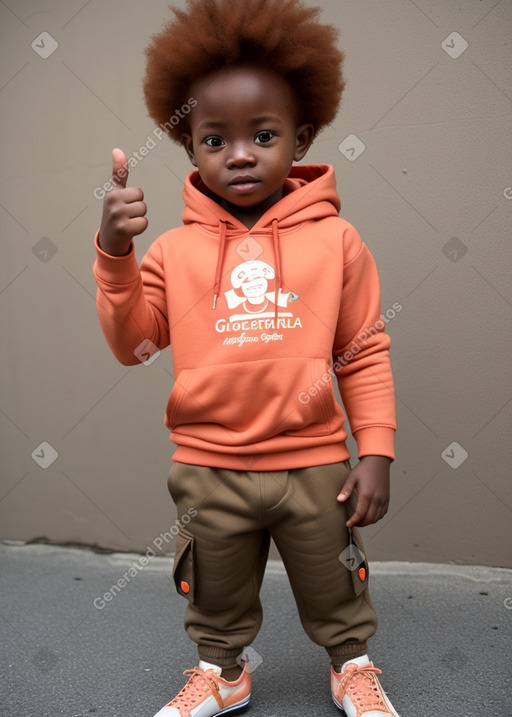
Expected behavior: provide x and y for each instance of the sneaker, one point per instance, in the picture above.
(206, 694)
(357, 690)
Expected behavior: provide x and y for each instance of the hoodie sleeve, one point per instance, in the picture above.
(361, 353)
(131, 302)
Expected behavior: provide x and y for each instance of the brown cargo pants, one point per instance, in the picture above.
(226, 520)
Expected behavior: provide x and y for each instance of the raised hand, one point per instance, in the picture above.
(124, 211)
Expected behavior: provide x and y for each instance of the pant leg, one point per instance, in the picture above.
(220, 557)
(329, 579)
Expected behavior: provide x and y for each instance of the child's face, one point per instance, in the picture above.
(244, 137)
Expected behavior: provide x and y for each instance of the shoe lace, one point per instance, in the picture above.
(196, 689)
(363, 687)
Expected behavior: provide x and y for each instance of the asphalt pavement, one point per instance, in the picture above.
(86, 633)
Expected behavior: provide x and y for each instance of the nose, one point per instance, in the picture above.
(241, 155)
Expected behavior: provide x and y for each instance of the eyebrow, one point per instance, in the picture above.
(216, 124)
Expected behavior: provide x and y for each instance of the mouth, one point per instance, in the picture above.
(244, 183)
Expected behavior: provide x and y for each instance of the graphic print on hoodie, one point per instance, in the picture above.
(261, 322)
(255, 294)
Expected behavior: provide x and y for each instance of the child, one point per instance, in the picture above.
(266, 296)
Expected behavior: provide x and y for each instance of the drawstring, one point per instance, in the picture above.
(277, 257)
(220, 260)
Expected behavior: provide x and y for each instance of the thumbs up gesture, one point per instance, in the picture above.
(124, 211)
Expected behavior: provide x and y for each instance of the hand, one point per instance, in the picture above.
(369, 479)
(123, 210)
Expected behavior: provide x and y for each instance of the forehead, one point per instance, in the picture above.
(242, 94)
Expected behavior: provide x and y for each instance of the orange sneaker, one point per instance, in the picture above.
(207, 694)
(357, 690)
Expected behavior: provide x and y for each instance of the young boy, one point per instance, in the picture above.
(266, 296)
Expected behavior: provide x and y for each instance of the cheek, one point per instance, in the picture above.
(284, 160)
(210, 162)
(208, 167)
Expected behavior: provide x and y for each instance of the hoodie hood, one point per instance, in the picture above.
(309, 193)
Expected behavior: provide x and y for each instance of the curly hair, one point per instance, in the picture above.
(210, 35)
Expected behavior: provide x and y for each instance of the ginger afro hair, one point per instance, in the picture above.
(283, 35)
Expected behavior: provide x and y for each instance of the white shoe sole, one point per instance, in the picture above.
(390, 706)
(237, 706)
(203, 710)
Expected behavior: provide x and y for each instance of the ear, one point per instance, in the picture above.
(186, 140)
(303, 139)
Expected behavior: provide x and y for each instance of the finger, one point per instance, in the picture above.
(136, 209)
(347, 489)
(374, 513)
(130, 195)
(119, 167)
(358, 517)
(137, 226)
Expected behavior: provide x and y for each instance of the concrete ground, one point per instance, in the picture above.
(444, 642)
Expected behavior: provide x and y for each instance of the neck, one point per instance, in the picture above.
(251, 215)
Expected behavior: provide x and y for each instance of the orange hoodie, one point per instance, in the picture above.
(260, 322)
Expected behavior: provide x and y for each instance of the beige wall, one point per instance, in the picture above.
(431, 195)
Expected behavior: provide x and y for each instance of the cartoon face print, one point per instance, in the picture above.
(252, 279)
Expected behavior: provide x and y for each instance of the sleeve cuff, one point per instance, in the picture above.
(115, 269)
(376, 441)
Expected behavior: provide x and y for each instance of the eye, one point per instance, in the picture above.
(214, 141)
(265, 136)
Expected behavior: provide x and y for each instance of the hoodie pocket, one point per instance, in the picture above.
(243, 403)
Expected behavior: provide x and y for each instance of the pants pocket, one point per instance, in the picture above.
(183, 569)
(358, 563)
